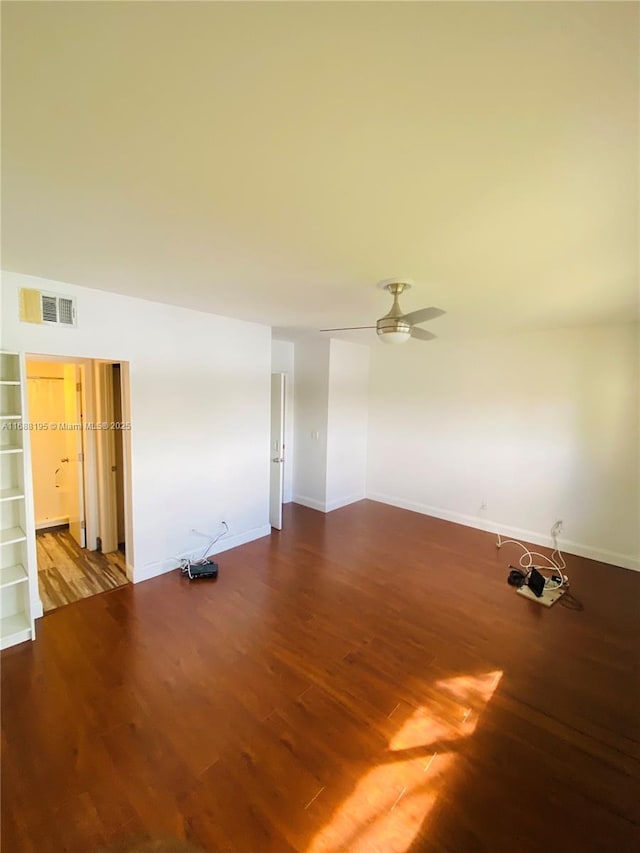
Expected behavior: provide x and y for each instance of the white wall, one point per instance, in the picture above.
(282, 361)
(199, 406)
(310, 416)
(539, 427)
(347, 423)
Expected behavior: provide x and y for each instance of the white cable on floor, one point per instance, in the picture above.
(554, 563)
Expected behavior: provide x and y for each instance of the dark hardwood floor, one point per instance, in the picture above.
(67, 572)
(360, 681)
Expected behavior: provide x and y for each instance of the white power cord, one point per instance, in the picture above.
(185, 563)
(554, 563)
(212, 540)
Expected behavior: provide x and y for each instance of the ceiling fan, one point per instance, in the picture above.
(396, 327)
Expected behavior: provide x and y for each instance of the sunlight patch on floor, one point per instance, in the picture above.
(388, 806)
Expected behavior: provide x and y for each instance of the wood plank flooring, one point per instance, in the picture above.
(67, 572)
(363, 681)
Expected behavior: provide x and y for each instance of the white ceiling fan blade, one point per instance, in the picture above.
(422, 334)
(347, 329)
(423, 314)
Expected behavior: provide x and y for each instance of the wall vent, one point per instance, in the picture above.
(49, 308)
(39, 307)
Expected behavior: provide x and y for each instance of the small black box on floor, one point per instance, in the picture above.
(535, 582)
(203, 569)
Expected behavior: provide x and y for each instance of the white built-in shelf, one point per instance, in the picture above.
(14, 629)
(12, 535)
(18, 569)
(11, 494)
(11, 575)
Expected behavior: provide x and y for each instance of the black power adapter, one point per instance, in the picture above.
(516, 577)
(202, 569)
(535, 582)
(533, 579)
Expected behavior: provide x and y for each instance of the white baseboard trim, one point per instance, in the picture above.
(311, 503)
(614, 558)
(52, 522)
(344, 502)
(321, 506)
(152, 570)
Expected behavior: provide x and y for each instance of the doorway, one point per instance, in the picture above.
(77, 485)
(277, 450)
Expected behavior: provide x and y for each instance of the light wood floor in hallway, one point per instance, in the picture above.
(68, 573)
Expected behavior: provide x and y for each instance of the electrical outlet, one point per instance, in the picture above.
(557, 528)
(483, 505)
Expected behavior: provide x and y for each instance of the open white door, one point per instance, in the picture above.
(75, 453)
(277, 450)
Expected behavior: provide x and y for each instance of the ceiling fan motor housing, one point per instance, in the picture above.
(394, 321)
(392, 324)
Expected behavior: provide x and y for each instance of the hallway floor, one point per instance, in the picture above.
(67, 573)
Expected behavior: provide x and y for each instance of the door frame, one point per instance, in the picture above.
(92, 475)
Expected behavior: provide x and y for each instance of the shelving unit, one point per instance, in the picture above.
(19, 599)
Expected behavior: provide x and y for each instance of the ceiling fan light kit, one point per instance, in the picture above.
(396, 327)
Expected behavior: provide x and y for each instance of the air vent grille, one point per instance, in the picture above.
(58, 310)
(49, 309)
(39, 307)
(65, 311)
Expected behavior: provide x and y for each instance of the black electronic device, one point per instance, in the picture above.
(535, 582)
(202, 569)
(516, 577)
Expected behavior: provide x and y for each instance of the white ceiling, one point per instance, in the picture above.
(273, 161)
